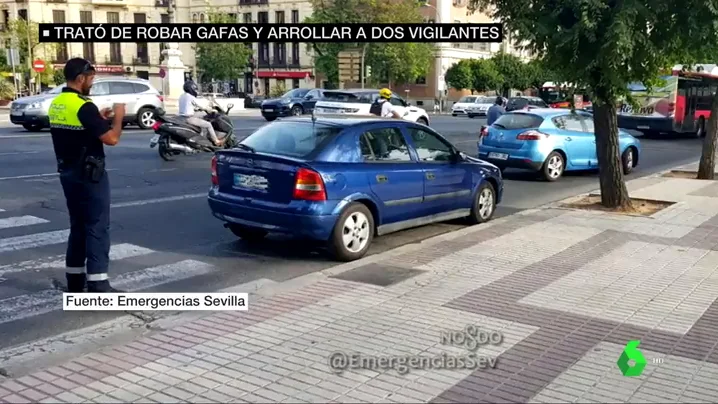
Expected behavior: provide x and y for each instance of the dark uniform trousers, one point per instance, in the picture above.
(88, 203)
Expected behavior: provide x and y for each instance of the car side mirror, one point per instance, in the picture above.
(309, 97)
(458, 156)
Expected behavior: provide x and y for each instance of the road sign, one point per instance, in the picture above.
(162, 73)
(38, 65)
(349, 65)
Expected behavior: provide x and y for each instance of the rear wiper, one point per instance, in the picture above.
(245, 147)
(498, 125)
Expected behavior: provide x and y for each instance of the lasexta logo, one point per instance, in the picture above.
(631, 353)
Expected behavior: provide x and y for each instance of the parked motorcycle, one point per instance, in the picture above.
(174, 136)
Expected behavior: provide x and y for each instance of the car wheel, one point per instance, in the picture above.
(353, 233)
(628, 160)
(248, 233)
(32, 128)
(145, 118)
(701, 128)
(270, 118)
(422, 121)
(297, 110)
(453, 114)
(553, 167)
(484, 204)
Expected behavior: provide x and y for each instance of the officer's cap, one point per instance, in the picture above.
(77, 66)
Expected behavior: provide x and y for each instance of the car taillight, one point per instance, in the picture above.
(309, 186)
(162, 99)
(484, 131)
(215, 180)
(156, 125)
(531, 135)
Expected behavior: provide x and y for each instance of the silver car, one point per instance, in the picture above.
(140, 98)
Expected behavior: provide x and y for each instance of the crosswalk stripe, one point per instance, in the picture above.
(46, 301)
(33, 240)
(117, 252)
(20, 221)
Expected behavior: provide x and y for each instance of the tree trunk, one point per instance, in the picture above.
(614, 193)
(707, 165)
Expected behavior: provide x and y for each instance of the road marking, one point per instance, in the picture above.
(20, 221)
(2, 210)
(21, 136)
(117, 252)
(158, 200)
(22, 177)
(33, 240)
(49, 300)
(19, 153)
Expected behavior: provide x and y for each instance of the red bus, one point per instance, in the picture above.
(557, 96)
(681, 105)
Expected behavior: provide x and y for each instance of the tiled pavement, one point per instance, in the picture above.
(566, 288)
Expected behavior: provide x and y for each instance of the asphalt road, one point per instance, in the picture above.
(164, 238)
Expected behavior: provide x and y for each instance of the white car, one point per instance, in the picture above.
(459, 107)
(358, 102)
(480, 106)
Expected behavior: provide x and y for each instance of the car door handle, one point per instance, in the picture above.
(430, 176)
(382, 178)
(568, 139)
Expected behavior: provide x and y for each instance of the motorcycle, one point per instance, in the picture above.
(174, 136)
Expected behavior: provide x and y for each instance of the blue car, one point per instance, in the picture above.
(550, 141)
(293, 103)
(345, 180)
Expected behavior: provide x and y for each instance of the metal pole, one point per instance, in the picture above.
(11, 51)
(363, 67)
(30, 52)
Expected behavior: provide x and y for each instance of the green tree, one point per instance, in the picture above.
(397, 63)
(514, 73)
(484, 75)
(24, 37)
(222, 60)
(538, 73)
(460, 75)
(602, 46)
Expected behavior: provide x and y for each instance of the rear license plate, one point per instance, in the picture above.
(643, 127)
(253, 182)
(498, 156)
(268, 109)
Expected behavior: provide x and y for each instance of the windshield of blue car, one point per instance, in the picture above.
(296, 93)
(518, 121)
(291, 139)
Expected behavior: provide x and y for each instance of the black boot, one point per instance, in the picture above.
(101, 287)
(75, 282)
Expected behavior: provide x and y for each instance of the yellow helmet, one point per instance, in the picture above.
(385, 93)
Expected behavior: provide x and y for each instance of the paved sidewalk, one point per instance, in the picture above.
(566, 288)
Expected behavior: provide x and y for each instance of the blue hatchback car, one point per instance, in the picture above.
(346, 180)
(550, 141)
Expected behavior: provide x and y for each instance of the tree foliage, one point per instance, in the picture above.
(394, 62)
(603, 46)
(460, 75)
(514, 73)
(222, 60)
(538, 73)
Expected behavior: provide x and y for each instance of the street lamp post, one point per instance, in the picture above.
(438, 65)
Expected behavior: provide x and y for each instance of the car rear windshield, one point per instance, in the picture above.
(341, 96)
(518, 121)
(515, 102)
(291, 139)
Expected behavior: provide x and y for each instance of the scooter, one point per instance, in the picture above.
(174, 136)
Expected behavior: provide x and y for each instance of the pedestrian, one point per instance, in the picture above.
(495, 111)
(79, 132)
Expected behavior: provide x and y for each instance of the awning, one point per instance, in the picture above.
(282, 75)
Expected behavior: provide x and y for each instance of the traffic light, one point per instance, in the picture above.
(368, 71)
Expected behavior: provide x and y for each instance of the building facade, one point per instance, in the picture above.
(273, 64)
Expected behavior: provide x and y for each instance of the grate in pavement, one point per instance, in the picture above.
(379, 275)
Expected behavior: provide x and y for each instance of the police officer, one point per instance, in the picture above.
(79, 131)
